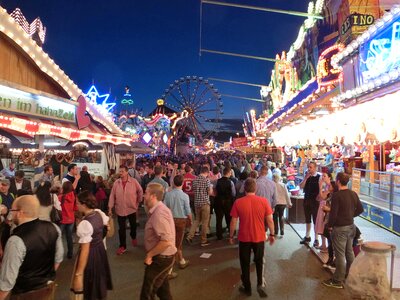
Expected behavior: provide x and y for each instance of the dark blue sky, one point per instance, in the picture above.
(148, 44)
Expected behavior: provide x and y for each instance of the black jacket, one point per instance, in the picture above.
(26, 185)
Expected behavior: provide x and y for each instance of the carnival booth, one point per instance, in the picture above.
(334, 94)
(44, 116)
(369, 97)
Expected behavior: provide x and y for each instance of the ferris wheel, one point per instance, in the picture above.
(199, 102)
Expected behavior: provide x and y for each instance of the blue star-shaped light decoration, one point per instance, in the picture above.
(94, 95)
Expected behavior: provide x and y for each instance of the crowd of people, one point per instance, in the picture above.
(181, 196)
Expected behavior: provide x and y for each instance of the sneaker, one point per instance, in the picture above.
(121, 250)
(282, 233)
(172, 275)
(183, 266)
(305, 240)
(197, 233)
(316, 243)
(134, 242)
(205, 244)
(261, 291)
(243, 290)
(333, 284)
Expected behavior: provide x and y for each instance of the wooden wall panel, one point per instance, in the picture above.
(17, 67)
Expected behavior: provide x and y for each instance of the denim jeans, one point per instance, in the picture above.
(155, 280)
(342, 239)
(68, 228)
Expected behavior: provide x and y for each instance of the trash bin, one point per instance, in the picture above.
(369, 277)
(296, 212)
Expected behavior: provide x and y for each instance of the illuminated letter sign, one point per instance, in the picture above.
(26, 103)
(356, 20)
(381, 54)
(326, 74)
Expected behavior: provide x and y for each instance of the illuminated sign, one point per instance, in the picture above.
(165, 138)
(326, 74)
(355, 16)
(17, 101)
(102, 105)
(147, 137)
(356, 20)
(381, 54)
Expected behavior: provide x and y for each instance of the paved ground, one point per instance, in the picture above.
(292, 272)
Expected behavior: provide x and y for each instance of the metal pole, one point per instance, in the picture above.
(243, 98)
(238, 82)
(238, 55)
(391, 192)
(279, 11)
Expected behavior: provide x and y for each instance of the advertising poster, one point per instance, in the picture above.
(356, 181)
(239, 142)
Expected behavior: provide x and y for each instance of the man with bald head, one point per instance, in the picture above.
(32, 254)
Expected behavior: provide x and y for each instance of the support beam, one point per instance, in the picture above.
(238, 82)
(243, 98)
(278, 11)
(237, 55)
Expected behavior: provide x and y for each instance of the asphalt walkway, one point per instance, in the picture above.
(292, 272)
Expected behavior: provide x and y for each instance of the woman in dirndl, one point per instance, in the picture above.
(92, 275)
(324, 190)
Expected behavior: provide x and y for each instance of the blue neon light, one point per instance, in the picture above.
(381, 54)
(94, 97)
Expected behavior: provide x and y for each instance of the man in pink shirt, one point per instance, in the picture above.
(125, 197)
(159, 242)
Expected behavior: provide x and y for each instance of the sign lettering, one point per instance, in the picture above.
(356, 20)
(13, 100)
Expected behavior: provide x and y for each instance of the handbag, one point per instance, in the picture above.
(111, 228)
(55, 214)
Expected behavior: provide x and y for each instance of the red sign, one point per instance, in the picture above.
(239, 142)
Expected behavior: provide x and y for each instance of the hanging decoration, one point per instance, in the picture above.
(34, 128)
(100, 100)
(127, 102)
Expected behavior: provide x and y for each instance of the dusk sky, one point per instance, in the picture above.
(148, 44)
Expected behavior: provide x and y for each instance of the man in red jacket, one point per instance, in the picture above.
(125, 197)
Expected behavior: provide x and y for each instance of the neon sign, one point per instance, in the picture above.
(127, 100)
(381, 54)
(94, 95)
(326, 74)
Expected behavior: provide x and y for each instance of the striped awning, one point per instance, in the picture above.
(35, 126)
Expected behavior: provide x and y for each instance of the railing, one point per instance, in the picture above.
(381, 189)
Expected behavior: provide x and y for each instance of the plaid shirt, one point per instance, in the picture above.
(200, 188)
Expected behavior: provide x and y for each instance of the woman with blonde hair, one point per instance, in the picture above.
(325, 188)
(282, 201)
